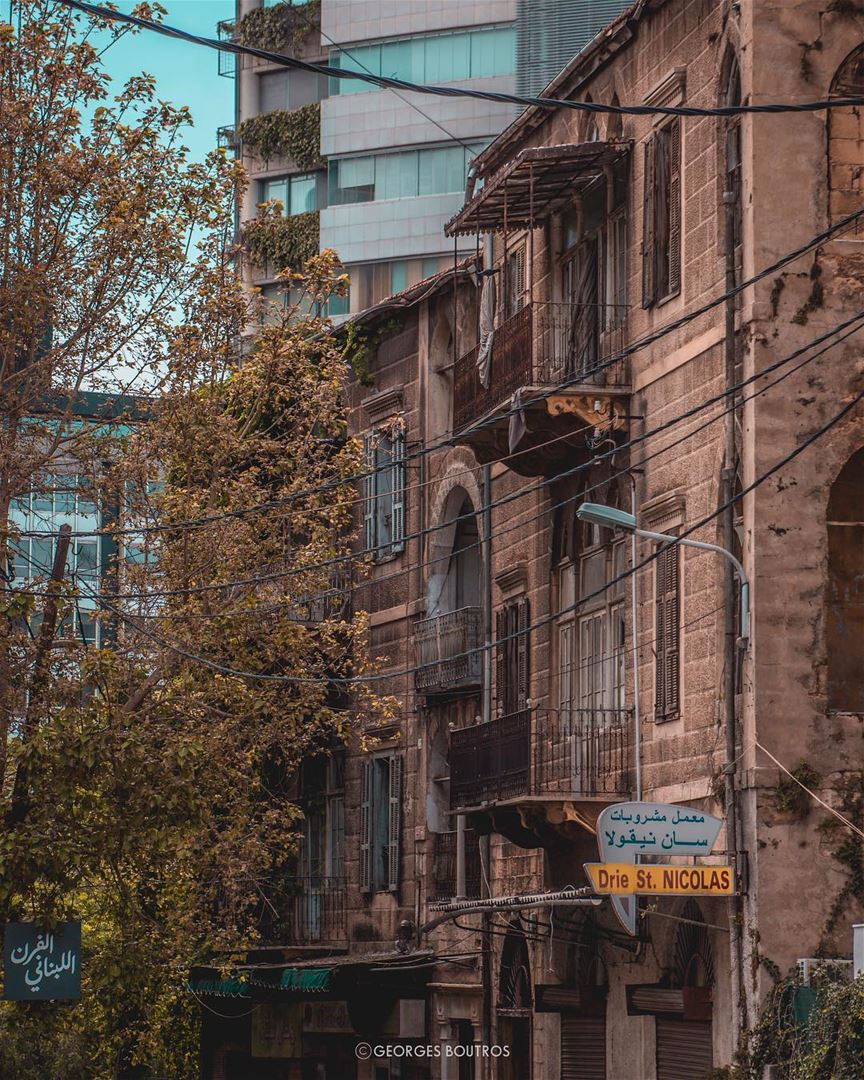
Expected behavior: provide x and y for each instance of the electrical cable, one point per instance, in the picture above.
(390, 83)
(847, 327)
(840, 226)
(544, 621)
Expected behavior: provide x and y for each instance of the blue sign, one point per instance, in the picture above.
(42, 965)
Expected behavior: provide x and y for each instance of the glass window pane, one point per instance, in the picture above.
(303, 197)
(41, 557)
(398, 276)
(447, 58)
(86, 559)
(493, 52)
(354, 180)
(276, 189)
(362, 58)
(403, 59)
(442, 170)
(396, 175)
(273, 91)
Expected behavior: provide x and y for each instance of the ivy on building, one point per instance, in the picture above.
(275, 242)
(360, 345)
(279, 28)
(295, 134)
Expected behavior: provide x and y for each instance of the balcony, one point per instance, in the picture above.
(443, 877)
(544, 347)
(440, 647)
(227, 138)
(315, 912)
(542, 756)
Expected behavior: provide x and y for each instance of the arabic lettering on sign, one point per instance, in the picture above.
(656, 829)
(41, 964)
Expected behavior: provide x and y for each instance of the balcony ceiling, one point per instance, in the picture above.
(538, 182)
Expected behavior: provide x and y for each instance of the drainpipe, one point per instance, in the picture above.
(485, 861)
(727, 487)
(634, 603)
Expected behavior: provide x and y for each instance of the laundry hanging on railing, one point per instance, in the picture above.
(487, 330)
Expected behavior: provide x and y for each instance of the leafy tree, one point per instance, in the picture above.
(146, 786)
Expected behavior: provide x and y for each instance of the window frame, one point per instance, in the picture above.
(662, 198)
(381, 822)
(393, 474)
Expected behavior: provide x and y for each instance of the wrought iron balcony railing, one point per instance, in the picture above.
(227, 138)
(316, 911)
(536, 752)
(543, 344)
(442, 885)
(440, 647)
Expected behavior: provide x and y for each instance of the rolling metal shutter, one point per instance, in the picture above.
(683, 1049)
(583, 1048)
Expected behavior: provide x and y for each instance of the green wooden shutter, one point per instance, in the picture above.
(649, 198)
(366, 826)
(675, 209)
(667, 701)
(501, 689)
(395, 823)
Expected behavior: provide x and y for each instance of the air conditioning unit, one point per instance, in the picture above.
(812, 968)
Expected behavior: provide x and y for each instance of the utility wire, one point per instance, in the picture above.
(545, 621)
(389, 83)
(840, 226)
(849, 326)
(519, 522)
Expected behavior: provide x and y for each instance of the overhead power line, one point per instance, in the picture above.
(546, 620)
(844, 329)
(388, 83)
(840, 226)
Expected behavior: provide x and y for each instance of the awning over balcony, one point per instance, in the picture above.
(539, 181)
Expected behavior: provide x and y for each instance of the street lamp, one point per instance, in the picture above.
(610, 517)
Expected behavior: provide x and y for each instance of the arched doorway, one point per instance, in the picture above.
(515, 1006)
(685, 1047)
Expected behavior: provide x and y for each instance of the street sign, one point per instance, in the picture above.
(623, 879)
(630, 829)
(40, 964)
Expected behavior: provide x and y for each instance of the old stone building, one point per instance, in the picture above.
(527, 647)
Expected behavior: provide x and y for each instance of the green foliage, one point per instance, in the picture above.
(826, 1045)
(278, 242)
(790, 797)
(360, 346)
(848, 849)
(295, 134)
(280, 28)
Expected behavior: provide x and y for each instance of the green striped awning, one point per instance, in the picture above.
(228, 988)
(295, 979)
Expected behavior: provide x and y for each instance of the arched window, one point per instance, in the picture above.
(614, 122)
(844, 633)
(455, 563)
(732, 157)
(845, 136)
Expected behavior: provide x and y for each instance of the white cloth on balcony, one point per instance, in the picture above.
(487, 330)
(518, 426)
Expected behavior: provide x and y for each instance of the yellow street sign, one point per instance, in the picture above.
(619, 879)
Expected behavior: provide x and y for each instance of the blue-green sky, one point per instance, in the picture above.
(185, 74)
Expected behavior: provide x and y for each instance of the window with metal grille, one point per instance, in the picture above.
(381, 823)
(661, 217)
(384, 492)
(667, 698)
(515, 285)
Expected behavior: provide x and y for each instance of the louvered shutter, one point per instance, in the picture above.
(369, 484)
(397, 490)
(394, 823)
(674, 207)
(523, 654)
(366, 827)
(501, 662)
(649, 198)
(519, 279)
(583, 1048)
(667, 697)
(684, 1049)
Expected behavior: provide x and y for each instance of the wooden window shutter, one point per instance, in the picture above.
(397, 489)
(501, 661)
(395, 823)
(674, 207)
(519, 275)
(366, 827)
(649, 198)
(523, 654)
(369, 486)
(667, 678)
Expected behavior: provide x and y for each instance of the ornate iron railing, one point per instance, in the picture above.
(316, 911)
(443, 651)
(582, 754)
(543, 344)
